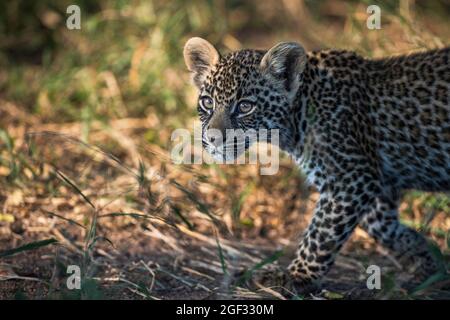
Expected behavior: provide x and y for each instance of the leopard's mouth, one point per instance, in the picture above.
(227, 152)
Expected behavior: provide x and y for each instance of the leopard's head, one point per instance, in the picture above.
(246, 91)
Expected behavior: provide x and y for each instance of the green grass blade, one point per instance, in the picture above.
(248, 274)
(237, 204)
(71, 221)
(223, 262)
(178, 213)
(71, 184)
(448, 240)
(203, 208)
(437, 277)
(27, 247)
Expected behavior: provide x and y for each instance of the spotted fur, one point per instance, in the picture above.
(362, 130)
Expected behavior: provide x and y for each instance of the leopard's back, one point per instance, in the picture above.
(410, 112)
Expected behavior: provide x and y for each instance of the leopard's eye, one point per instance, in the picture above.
(245, 107)
(206, 103)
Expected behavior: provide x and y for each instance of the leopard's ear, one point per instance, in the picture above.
(284, 64)
(200, 56)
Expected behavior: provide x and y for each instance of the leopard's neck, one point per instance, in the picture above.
(299, 126)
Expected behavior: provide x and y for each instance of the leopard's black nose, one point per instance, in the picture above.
(214, 137)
